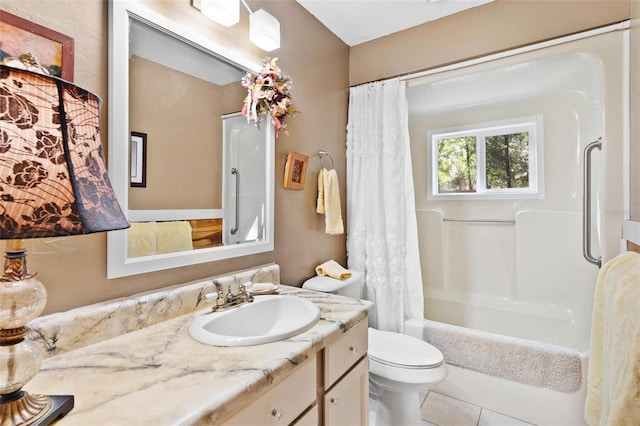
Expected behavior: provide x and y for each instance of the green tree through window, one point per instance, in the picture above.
(457, 164)
(507, 160)
(499, 159)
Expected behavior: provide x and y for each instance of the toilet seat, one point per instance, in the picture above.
(402, 351)
(401, 363)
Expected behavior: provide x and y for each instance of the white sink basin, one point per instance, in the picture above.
(266, 319)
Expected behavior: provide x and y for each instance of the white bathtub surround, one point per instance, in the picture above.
(157, 374)
(381, 227)
(614, 366)
(515, 266)
(525, 361)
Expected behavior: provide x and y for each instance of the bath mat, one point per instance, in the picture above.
(525, 361)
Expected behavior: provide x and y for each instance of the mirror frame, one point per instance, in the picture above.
(118, 264)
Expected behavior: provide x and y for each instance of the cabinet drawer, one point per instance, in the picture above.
(310, 418)
(344, 353)
(284, 402)
(347, 404)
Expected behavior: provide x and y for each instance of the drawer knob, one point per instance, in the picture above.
(277, 414)
(335, 401)
(353, 349)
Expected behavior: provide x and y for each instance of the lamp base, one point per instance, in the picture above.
(22, 408)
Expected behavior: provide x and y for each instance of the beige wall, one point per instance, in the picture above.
(181, 116)
(494, 27)
(74, 268)
(322, 67)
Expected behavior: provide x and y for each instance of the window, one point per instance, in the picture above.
(493, 160)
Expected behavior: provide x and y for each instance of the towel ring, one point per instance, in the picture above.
(325, 154)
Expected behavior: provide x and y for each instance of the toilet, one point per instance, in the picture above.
(400, 366)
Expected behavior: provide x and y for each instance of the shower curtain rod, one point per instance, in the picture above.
(525, 49)
(623, 25)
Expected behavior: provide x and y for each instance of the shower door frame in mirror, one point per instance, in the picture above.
(118, 262)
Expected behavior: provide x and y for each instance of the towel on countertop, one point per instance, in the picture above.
(613, 384)
(142, 239)
(174, 236)
(328, 202)
(333, 269)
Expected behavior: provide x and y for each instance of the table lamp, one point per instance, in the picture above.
(53, 182)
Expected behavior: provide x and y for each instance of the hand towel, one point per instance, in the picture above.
(333, 269)
(613, 381)
(329, 201)
(174, 236)
(142, 239)
(320, 202)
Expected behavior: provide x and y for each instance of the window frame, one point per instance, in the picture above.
(531, 124)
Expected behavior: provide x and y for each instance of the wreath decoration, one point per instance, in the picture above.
(268, 92)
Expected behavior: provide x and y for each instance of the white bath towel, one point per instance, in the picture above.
(613, 381)
(328, 202)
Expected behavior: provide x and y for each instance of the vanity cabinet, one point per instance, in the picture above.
(343, 354)
(329, 389)
(285, 402)
(346, 379)
(347, 402)
(310, 418)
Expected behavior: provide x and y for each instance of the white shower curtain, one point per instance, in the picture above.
(382, 235)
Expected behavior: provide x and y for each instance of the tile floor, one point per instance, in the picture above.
(441, 410)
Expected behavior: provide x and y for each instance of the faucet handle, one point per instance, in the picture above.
(210, 297)
(215, 296)
(247, 291)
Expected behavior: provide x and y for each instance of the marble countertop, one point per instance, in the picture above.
(159, 375)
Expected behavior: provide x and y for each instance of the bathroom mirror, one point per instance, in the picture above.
(197, 192)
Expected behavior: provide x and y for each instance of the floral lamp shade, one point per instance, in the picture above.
(53, 177)
(53, 182)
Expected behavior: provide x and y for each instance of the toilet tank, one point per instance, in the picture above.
(349, 287)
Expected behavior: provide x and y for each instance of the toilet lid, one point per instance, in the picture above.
(401, 350)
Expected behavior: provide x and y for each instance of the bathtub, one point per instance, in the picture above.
(507, 292)
(548, 336)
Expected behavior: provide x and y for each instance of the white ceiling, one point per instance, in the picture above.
(358, 21)
(164, 48)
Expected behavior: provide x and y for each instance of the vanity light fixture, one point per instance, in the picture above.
(264, 28)
(53, 182)
(224, 12)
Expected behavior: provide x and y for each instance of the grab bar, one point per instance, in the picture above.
(235, 172)
(586, 204)
(508, 221)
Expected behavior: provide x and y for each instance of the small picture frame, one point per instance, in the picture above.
(138, 160)
(55, 51)
(295, 170)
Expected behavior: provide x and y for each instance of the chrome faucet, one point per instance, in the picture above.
(229, 299)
